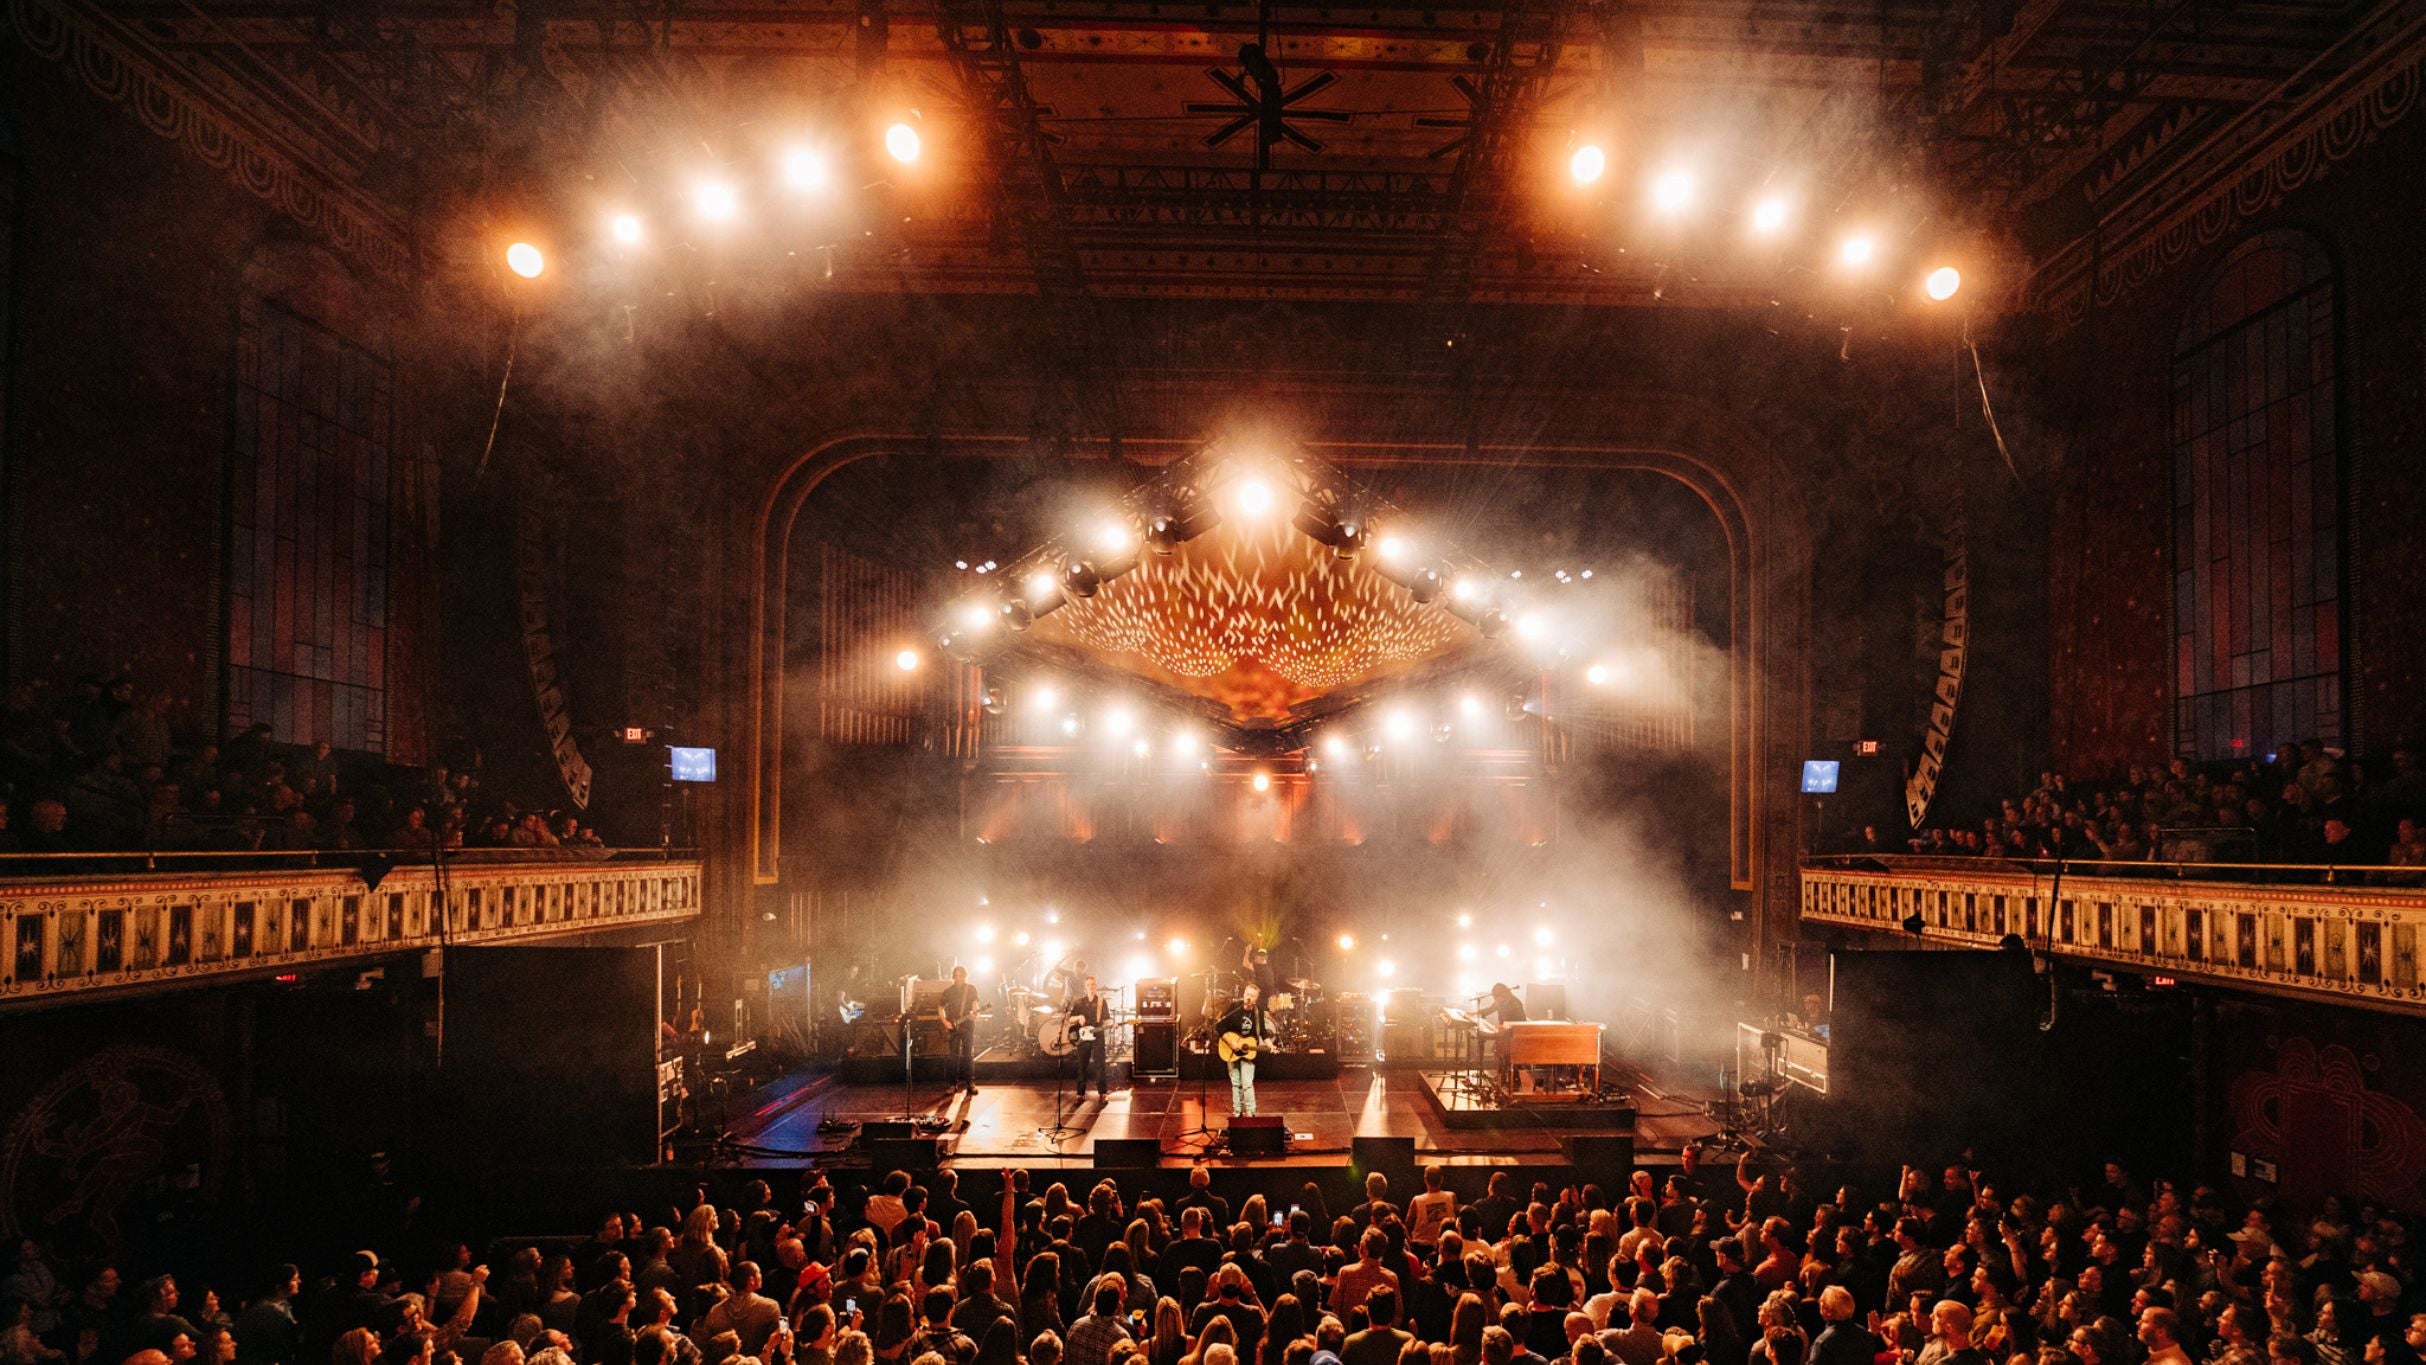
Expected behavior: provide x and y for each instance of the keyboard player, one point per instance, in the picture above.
(1502, 1007)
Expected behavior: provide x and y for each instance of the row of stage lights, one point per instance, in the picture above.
(1493, 605)
(1178, 954)
(715, 199)
(1675, 199)
(807, 171)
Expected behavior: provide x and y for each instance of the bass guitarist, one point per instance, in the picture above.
(958, 1006)
(1243, 1035)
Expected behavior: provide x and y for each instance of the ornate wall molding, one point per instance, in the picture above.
(2348, 945)
(2246, 168)
(116, 62)
(81, 938)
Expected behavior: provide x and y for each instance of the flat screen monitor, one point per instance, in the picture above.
(693, 765)
(1819, 776)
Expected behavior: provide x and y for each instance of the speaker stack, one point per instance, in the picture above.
(1155, 1050)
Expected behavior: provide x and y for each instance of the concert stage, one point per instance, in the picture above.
(1465, 1109)
(998, 1127)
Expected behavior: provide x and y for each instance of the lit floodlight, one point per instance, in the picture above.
(1113, 537)
(1052, 915)
(525, 260)
(1532, 625)
(1857, 250)
(974, 615)
(1069, 724)
(902, 143)
(1183, 744)
(1398, 725)
(1597, 675)
(1335, 746)
(1770, 214)
(1672, 192)
(1541, 935)
(906, 661)
(1588, 164)
(716, 201)
(1177, 947)
(984, 933)
(1262, 782)
(983, 966)
(1347, 943)
(1392, 549)
(1041, 586)
(1253, 497)
(1470, 706)
(1020, 939)
(805, 170)
(1500, 950)
(1142, 747)
(1045, 697)
(1385, 969)
(1467, 590)
(1465, 920)
(1465, 952)
(1119, 721)
(1942, 283)
(626, 228)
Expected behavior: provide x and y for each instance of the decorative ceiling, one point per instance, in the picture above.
(1257, 617)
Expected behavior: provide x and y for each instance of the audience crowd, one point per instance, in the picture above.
(101, 769)
(2303, 804)
(1710, 1266)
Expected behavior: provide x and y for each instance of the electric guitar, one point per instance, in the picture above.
(952, 1025)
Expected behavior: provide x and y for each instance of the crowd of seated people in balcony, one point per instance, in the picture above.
(1712, 1266)
(2304, 804)
(101, 768)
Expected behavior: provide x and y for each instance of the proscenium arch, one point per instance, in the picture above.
(1768, 601)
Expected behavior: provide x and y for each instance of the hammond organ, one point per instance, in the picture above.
(1530, 1048)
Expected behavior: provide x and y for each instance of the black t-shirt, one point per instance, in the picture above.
(1088, 1010)
(1267, 981)
(958, 1001)
(1506, 1009)
(1242, 1021)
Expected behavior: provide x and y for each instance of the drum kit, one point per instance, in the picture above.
(1046, 1030)
(1301, 1017)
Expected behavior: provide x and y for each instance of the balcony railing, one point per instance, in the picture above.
(2350, 935)
(105, 924)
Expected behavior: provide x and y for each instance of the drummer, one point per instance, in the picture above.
(1255, 966)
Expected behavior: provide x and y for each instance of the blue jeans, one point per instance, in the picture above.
(1242, 1087)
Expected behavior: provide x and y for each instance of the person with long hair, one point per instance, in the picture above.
(359, 1346)
(896, 1328)
(1169, 1342)
(1466, 1323)
(1040, 1294)
(1722, 1341)
(1286, 1324)
(1217, 1332)
(1001, 1344)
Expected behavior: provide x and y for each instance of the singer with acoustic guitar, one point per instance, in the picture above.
(1243, 1035)
(958, 1006)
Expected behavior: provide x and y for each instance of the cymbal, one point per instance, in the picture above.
(1299, 983)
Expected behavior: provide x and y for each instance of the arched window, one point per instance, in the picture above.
(2257, 562)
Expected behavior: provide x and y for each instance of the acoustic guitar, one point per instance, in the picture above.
(1241, 1047)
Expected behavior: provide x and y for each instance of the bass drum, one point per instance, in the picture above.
(1057, 1036)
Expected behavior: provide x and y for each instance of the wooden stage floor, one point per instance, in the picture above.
(999, 1125)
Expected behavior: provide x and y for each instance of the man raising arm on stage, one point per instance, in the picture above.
(959, 1005)
(1242, 1036)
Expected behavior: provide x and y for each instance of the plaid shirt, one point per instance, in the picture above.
(1092, 1338)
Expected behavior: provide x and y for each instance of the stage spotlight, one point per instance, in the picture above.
(1465, 920)
(1672, 192)
(1857, 250)
(1597, 675)
(1442, 733)
(805, 170)
(1177, 947)
(1500, 950)
(1139, 967)
(1541, 935)
(1398, 725)
(902, 143)
(906, 661)
(984, 933)
(1467, 590)
(1262, 782)
(1588, 164)
(1531, 625)
(1492, 624)
(993, 702)
(1016, 613)
(1081, 578)
(1942, 283)
(1392, 549)
(1119, 721)
(1183, 745)
(1041, 586)
(1142, 747)
(1253, 496)
(1347, 943)
(1470, 706)
(1113, 537)
(626, 228)
(716, 201)
(525, 260)
(1162, 534)
(1385, 969)
(1335, 746)
(1045, 697)
(1465, 952)
(1349, 539)
(1070, 724)
(1052, 915)
(1020, 939)
(1770, 214)
(974, 615)
(1053, 950)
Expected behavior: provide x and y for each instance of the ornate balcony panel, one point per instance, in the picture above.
(81, 938)
(2349, 944)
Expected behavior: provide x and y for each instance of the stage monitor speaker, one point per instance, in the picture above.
(1545, 1000)
(1127, 1154)
(1261, 1135)
(886, 1130)
(904, 1154)
(1392, 1156)
(1157, 1048)
(1607, 1157)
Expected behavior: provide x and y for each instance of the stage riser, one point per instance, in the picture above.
(1564, 1118)
(1277, 1066)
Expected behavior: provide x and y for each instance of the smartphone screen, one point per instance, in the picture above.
(849, 1306)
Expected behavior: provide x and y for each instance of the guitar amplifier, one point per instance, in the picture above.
(1157, 998)
(1157, 1047)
